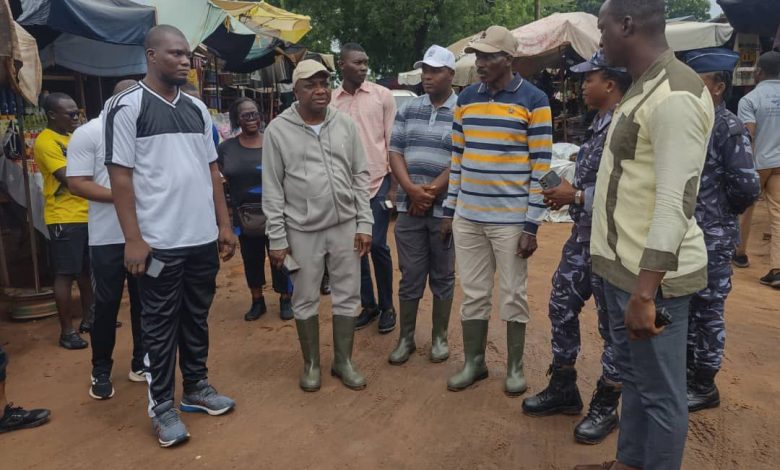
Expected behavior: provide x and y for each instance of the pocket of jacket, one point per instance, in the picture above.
(318, 209)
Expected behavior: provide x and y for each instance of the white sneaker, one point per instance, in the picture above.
(137, 376)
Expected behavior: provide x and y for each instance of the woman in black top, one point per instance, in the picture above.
(240, 160)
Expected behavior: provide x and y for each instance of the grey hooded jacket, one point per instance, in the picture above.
(310, 182)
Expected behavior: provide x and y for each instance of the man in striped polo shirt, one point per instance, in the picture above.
(502, 141)
(420, 152)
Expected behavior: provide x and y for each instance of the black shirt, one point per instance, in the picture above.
(243, 169)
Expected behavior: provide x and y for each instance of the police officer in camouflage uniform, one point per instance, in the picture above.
(574, 282)
(729, 185)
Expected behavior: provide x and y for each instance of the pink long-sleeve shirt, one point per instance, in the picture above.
(372, 107)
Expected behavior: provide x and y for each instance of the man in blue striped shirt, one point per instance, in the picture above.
(502, 144)
(420, 150)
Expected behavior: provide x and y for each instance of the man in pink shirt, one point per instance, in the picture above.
(372, 107)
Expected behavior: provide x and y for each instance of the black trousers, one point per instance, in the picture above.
(175, 315)
(108, 280)
(253, 255)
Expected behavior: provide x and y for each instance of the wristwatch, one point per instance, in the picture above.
(578, 198)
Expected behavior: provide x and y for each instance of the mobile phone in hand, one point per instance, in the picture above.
(290, 265)
(550, 180)
(154, 267)
(662, 317)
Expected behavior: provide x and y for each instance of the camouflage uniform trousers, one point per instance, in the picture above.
(573, 284)
(706, 322)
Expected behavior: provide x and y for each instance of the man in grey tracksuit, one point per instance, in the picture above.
(315, 198)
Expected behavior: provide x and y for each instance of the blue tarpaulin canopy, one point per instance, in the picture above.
(95, 37)
(113, 21)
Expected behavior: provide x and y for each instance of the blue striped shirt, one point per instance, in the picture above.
(421, 133)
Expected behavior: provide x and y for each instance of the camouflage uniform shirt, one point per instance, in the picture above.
(729, 181)
(588, 160)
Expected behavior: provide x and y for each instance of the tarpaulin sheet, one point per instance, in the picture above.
(113, 21)
(753, 16)
(19, 62)
(689, 35)
(94, 57)
(539, 44)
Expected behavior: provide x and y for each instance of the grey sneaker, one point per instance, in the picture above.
(167, 425)
(206, 399)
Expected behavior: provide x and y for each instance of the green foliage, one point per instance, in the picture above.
(699, 9)
(395, 33)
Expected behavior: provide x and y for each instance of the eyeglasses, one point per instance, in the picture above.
(250, 116)
(72, 114)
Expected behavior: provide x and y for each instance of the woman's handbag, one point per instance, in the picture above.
(251, 219)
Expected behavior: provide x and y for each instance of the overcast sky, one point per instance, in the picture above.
(715, 9)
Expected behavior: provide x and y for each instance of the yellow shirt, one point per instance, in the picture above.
(61, 207)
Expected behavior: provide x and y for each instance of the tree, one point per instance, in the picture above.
(395, 33)
(699, 9)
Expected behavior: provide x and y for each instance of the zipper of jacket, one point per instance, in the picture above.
(329, 168)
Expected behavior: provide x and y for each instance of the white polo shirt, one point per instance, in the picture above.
(169, 146)
(85, 158)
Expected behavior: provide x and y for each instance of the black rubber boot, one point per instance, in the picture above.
(702, 391)
(602, 416)
(560, 396)
(256, 310)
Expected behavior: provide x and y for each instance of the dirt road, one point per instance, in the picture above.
(405, 419)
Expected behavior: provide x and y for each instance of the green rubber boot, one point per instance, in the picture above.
(474, 367)
(515, 344)
(406, 346)
(440, 351)
(309, 336)
(343, 338)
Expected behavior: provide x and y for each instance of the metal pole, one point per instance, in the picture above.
(537, 9)
(27, 193)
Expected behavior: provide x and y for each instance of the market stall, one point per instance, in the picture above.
(20, 79)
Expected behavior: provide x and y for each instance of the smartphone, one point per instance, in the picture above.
(290, 265)
(154, 267)
(662, 317)
(448, 241)
(550, 180)
(387, 205)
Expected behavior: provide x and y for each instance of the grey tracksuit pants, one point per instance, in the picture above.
(334, 247)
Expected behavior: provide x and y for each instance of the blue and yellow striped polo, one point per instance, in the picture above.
(501, 146)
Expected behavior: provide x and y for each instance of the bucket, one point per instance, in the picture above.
(26, 304)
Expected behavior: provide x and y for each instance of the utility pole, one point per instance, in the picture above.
(537, 9)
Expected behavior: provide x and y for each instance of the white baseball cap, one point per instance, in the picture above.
(437, 56)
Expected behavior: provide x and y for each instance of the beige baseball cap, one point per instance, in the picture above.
(307, 69)
(494, 39)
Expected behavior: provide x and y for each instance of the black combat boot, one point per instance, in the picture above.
(702, 391)
(602, 417)
(560, 396)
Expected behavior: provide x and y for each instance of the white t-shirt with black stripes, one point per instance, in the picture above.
(169, 146)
